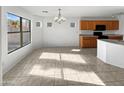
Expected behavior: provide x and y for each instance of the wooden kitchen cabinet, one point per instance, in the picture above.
(112, 25)
(91, 24)
(87, 25)
(115, 25)
(84, 25)
(108, 25)
(88, 41)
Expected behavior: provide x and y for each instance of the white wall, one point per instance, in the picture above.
(0, 52)
(63, 34)
(9, 60)
(60, 35)
(37, 33)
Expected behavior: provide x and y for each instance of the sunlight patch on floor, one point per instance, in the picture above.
(47, 55)
(67, 74)
(95, 78)
(70, 71)
(38, 70)
(75, 50)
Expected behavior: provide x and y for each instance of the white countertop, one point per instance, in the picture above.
(120, 42)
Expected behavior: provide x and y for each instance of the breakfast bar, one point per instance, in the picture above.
(111, 51)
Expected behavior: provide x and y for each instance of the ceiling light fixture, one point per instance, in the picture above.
(59, 19)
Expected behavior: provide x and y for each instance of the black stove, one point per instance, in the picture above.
(100, 35)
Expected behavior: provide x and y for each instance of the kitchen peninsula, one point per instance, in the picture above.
(111, 51)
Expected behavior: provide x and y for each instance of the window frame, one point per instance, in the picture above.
(25, 31)
(21, 32)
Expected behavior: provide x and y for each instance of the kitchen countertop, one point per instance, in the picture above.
(113, 35)
(120, 42)
(103, 34)
(87, 35)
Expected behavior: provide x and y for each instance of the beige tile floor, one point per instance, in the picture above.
(63, 67)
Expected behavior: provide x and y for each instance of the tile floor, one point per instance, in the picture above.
(63, 67)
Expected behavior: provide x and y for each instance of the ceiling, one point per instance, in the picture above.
(76, 11)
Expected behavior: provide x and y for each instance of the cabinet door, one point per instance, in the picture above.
(112, 25)
(83, 25)
(81, 42)
(86, 43)
(115, 25)
(93, 42)
(87, 25)
(99, 22)
(91, 25)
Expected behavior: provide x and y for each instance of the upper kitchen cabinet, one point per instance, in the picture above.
(115, 25)
(112, 25)
(91, 24)
(83, 25)
(87, 25)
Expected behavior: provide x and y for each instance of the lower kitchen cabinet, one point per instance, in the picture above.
(88, 42)
(91, 41)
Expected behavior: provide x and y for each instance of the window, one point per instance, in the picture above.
(13, 32)
(26, 31)
(19, 32)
